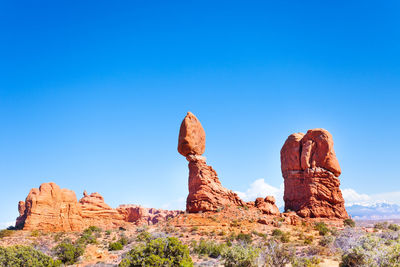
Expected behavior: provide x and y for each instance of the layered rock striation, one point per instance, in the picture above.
(310, 170)
(51, 208)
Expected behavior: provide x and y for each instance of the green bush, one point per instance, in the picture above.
(92, 229)
(123, 240)
(241, 256)
(394, 227)
(16, 256)
(381, 226)
(277, 232)
(87, 236)
(115, 246)
(277, 254)
(326, 241)
(308, 240)
(159, 252)
(208, 248)
(322, 228)
(6, 232)
(349, 222)
(143, 237)
(285, 238)
(69, 253)
(246, 238)
(306, 262)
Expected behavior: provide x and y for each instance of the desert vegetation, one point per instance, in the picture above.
(306, 244)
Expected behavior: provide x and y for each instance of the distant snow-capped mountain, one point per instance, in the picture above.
(374, 211)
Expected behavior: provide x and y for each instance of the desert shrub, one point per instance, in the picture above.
(6, 232)
(241, 256)
(92, 229)
(277, 232)
(16, 256)
(326, 241)
(372, 250)
(306, 262)
(143, 236)
(381, 226)
(208, 248)
(115, 246)
(285, 238)
(69, 253)
(123, 240)
(394, 227)
(321, 228)
(277, 254)
(35, 233)
(86, 239)
(349, 222)
(108, 232)
(158, 252)
(245, 238)
(308, 240)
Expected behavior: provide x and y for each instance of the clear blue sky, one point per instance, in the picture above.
(92, 93)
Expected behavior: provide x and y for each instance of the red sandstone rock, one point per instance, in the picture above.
(192, 138)
(96, 212)
(50, 208)
(205, 190)
(310, 170)
(140, 215)
(267, 205)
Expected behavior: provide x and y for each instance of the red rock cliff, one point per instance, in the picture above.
(310, 171)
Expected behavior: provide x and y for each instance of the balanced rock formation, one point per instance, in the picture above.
(310, 170)
(51, 208)
(205, 190)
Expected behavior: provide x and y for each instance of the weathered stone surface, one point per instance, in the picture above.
(50, 208)
(205, 190)
(267, 205)
(96, 212)
(192, 138)
(141, 215)
(310, 170)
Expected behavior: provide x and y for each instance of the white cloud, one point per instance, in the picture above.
(259, 188)
(352, 197)
(4, 225)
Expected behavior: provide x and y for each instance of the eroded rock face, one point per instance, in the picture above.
(205, 190)
(310, 171)
(51, 208)
(141, 215)
(267, 205)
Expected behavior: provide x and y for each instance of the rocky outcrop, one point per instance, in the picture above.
(141, 215)
(205, 190)
(51, 208)
(96, 212)
(310, 171)
(267, 205)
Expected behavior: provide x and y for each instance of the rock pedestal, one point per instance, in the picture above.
(205, 190)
